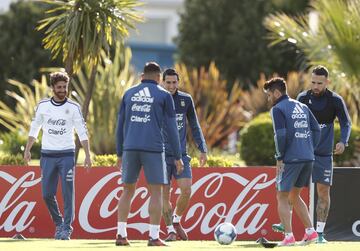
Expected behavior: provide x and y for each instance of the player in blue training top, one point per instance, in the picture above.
(144, 110)
(185, 110)
(296, 135)
(326, 106)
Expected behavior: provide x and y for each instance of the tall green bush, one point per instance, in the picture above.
(257, 147)
(14, 143)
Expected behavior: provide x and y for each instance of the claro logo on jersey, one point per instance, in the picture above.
(143, 96)
(298, 113)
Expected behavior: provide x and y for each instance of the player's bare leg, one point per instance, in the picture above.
(167, 214)
(181, 205)
(156, 201)
(123, 212)
(322, 209)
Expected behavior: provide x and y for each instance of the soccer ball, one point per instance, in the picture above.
(225, 233)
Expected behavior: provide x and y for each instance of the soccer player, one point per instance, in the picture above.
(326, 106)
(184, 107)
(144, 110)
(58, 116)
(296, 135)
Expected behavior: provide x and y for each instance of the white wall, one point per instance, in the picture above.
(161, 20)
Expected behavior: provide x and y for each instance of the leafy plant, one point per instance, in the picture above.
(14, 143)
(113, 78)
(10, 159)
(19, 118)
(105, 160)
(328, 36)
(219, 112)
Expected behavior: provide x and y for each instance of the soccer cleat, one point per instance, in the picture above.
(321, 239)
(156, 242)
(121, 241)
(171, 237)
(288, 241)
(66, 234)
(309, 238)
(180, 231)
(58, 232)
(278, 228)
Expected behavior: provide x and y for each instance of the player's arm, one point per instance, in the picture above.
(120, 131)
(196, 132)
(315, 129)
(173, 132)
(82, 132)
(35, 127)
(279, 124)
(345, 125)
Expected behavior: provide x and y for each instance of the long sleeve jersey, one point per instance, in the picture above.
(325, 109)
(185, 110)
(296, 131)
(144, 110)
(58, 121)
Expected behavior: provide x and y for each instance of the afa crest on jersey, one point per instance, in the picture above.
(182, 103)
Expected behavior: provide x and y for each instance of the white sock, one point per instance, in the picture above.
(176, 218)
(309, 230)
(288, 235)
(121, 229)
(320, 227)
(154, 231)
(170, 229)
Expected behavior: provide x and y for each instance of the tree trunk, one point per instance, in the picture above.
(85, 106)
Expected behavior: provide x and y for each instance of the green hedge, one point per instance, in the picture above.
(213, 161)
(257, 147)
(10, 159)
(14, 143)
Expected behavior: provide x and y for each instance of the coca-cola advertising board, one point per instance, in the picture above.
(245, 197)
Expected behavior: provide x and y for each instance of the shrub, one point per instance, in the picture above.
(10, 159)
(257, 143)
(105, 160)
(214, 161)
(14, 143)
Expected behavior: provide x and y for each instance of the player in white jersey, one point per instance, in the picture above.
(58, 116)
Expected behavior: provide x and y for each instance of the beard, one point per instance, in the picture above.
(60, 95)
(318, 93)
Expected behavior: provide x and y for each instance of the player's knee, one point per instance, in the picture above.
(186, 191)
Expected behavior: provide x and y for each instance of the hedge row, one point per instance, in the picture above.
(257, 147)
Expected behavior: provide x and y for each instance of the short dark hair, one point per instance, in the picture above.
(59, 76)
(151, 68)
(275, 84)
(170, 72)
(321, 71)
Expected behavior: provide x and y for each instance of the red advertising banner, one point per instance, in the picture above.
(243, 196)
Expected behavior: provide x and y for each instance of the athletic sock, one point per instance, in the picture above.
(176, 218)
(309, 230)
(170, 229)
(154, 231)
(320, 227)
(121, 229)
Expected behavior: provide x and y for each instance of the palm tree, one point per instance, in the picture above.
(328, 36)
(81, 29)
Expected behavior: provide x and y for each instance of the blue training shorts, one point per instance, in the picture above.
(323, 170)
(153, 163)
(294, 175)
(171, 168)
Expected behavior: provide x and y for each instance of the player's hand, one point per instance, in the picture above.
(119, 164)
(27, 157)
(179, 166)
(339, 148)
(279, 166)
(203, 159)
(87, 161)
